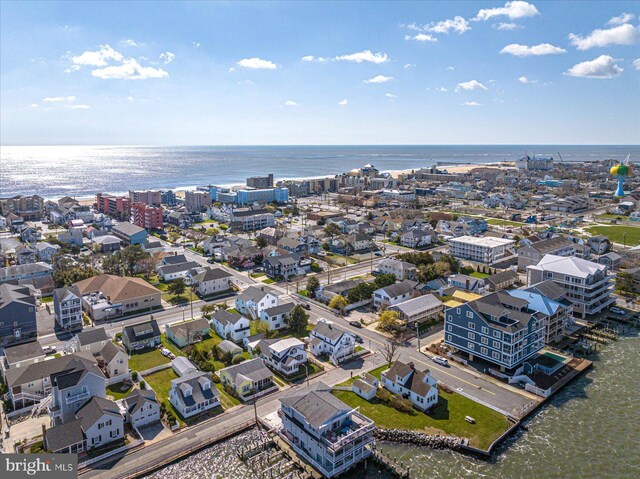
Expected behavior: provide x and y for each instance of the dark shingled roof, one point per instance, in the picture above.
(316, 404)
(92, 336)
(15, 354)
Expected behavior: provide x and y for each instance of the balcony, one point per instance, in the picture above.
(357, 427)
(78, 397)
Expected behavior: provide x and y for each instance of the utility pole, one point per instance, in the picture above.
(191, 299)
(255, 404)
(418, 335)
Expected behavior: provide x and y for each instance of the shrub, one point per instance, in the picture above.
(237, 359)
(143, 385)
(207, 366)
(118, 336)
(134, 375)
(216, 379)
(401, 404)
(384, 395)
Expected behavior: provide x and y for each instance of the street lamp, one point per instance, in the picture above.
(307, 372)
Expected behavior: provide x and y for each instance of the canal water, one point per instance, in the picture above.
(591, 429)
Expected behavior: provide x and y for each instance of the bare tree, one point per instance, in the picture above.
(390, 349)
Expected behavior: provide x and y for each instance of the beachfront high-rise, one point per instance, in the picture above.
(149, 217)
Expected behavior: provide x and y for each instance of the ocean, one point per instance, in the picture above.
(81, 171)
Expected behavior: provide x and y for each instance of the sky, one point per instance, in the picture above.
(314, 73)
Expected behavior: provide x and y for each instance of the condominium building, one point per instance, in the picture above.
(145, 216)
(481, 250)
(533, 253)
(260, 182)
(112, 204)
(586, 284)
(251, 219)
(29, 207)
(197, 200)
(149, 197)
(328, 433)
(498, 328)
(67, 303)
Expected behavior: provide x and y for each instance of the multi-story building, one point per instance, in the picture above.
(168, 198)
(418, 310)
(534, 252)
(26, 207)
(481, 250)
(110, 204)
(151, 198)
(269, 195)
(400, 269)
(38, 275)
(17, 314)
(586, 284)
(394, 294)
(498, 328)
(196, 201)
(251, 219)
(329, 434)
(260, 182)
(407, 381)
(149, 217)
(528, 163)
(67, 304)
(328, 339)
(129, 233)
(285, 356)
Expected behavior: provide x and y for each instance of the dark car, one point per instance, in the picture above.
(358, 338)
(305, 306)
(211, 260)
(355, 324)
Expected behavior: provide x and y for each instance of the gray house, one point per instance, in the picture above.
(17, 314)
(141, 335)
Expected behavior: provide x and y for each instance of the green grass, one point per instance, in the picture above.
(46, 299)
(609, 217)
(616, 233)
(118, 391)
(226, 400)
(174, 298)
(499, 222)
(160, 382)
(170, 346)
(147, 360)
(210, 342)
(256, 275)
(268, 281)
(447, 417)
(376, 373)
(475, 274)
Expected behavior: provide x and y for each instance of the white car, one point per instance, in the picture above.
(618, 311)
(50, 350)
(165, 352)
(440, 360)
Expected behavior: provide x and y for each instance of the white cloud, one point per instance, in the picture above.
(421, 37)
(621, 19)
(364, 56)
(535, 50)
(472, 103)
(311, 58)
(130, 98)
(471, 85)
(59, 99)
(442, 89)
(255, 63)
(524, 79)
(621, 35)
(513, 10)
(196, 44)
(390, 95)
(450, 68)
(378, 79)
(98, 58)
(78, 107)
(72, 68)
(343, 102)
(506, 26)
(130, 43)
(232, 70)
(245, 82)
(167, 57)
(457, 24)
(290, 103)
(410, 65)
(34, 105)
(602, 67)
(129, 70)
(636, 63)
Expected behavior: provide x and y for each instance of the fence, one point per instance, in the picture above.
(119, 378)
(155, 369)
(108, 454)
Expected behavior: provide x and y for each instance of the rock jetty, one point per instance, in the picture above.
(419, 439)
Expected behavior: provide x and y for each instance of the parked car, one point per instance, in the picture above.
(377, 253)
(305, 306)
(358, 338)
(211, 260)
(165, 352)
(619, 311)
(355, 324)
(440, 360)
(50, 350)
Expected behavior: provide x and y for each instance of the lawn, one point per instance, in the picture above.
(475, 274)
(616, 233)
(447, 417)
(607, 217)
(166, 343)
(147, 360)
(376, 373)
(268, 281)
(226, 401)
(46, 299)
(209, 342)
(160, 382)
(499, 222)
(118, 390)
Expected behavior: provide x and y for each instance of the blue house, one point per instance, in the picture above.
(130, 233)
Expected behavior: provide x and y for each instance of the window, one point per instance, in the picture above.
(472, 336)
(457, 310)
(496, 344)
(485, 330)
(449, 328)
(484, 340)
(470, 345)
(471, 325)
(496, 334)
(469, 314)
(484, 350)
(496, 355)
(448, 337)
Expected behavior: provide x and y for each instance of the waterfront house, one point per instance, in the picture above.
(324, 431)
(394, 294)
(187, 332)
(253, 300)
(276, 317)
(141, 407)
(193, 394)
(587, 284)
(498, 328)
(67, 306)
(17, 314)
(145, 334)
(408, 382)
(230, 325)
(95, 425)
(327, 338)
(248, 378)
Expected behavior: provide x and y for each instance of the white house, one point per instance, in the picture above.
(275, 316)
(113, 360)
(230, 325)
(248, 378)
(283, 355)
(253, 300)
(394, 294)
(417, 238)
(141, 407)
(406, 381)
(193, 394)
(366, 386)
(419, 310)
(400, 269)
(328, 339)
(67, 304)
(211, 281)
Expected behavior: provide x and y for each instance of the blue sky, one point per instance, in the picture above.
(242, 73)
